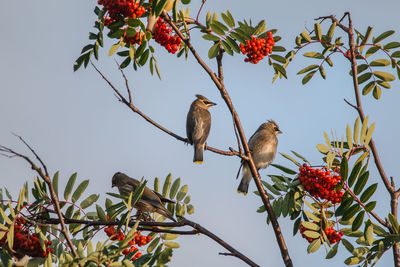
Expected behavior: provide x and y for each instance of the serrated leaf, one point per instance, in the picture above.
(238, 37)
(153, 245)
(174, 188)
(314, 55)
(380, 63)
(366, 195)
(314, 246)
(213, 51)
(216, 28)
(143, 58)
(233, 45)
(171, 244)
(89, 201)
(278, 49)
(283, 168)
(387, 77)
(280, 69)
(228, 20)
(227, 48)
(362, 180)
(311, 226)
(371, 51)
(391, 45)
(308, 77)
(69, 186)
(308, 68)
(382, 36)
(396, 54)
(322, 148)
(364, 77)
(305, 36)
(278, 58)
(367, 88)
(210, 37)
(332, 252)
(358, 221)
(350, 212)
(79, 190)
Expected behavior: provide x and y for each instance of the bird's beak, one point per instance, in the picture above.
(213, 104)
(280, 131)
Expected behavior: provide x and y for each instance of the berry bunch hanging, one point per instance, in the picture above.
(138, 240)
(26, 243)
(256, 49)
(122, 8)
(332, 235)
(321, 183)
(135, 39)
(163, 35)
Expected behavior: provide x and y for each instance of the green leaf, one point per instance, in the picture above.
(305, 36)
(387, 77)
(89, 201)
(284, 169)
(311, 234)
(238, 37)
(278, 49)
(228, 20)
(396, 54)
(367, 88)
(322, 72)
(364, 77)
(216, 28)
(356, 130)
(55, 183)
(322, 148)
(318, 31)
(100, 213)
(348, 245)
(332, 252)
(210, 37)
(331, 31)
(171, 244)
(174, 188)
(169, 236)
(382, 36)
(153, 245)
(278, 58)
(311, 226)
(227, 48)
(362, 180)
(369, 133)
(232, 43)
(380, 63)
(350, 212)
(370, 206)
(349, 137)
(344, 168)
(368, 193)
(364, 128)
(182, 192)
(314, 55)
(213, 52)
(353, 260)
(371, 51)
(369, 232)
(143, 58)
(5, 217)
(291, 159)
(358, 221)
(167, 185)
(308, 77)
(391, 45)
(279, 69)
(308, 68)
(190, 209)
(394, 223)
(314, 246)
(79, 190)
(69, 186)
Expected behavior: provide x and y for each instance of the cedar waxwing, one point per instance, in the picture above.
(198, 124)
(150, 201)
(262, 144)
(152, 20)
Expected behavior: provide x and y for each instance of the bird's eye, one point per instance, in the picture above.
(206, 102)
(276, 129)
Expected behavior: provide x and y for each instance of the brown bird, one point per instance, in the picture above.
(262, 144)
(198, 124)
(150, 201)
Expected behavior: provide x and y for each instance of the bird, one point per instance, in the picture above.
(263, 145)
(150, 201)
(198, 124)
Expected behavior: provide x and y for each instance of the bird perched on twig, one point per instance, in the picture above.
(150, 201)
(262, 144)
(198, 124)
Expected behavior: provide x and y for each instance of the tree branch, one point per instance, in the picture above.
(278, 234)
(47, 180)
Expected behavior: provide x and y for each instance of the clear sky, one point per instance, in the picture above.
(76, 125)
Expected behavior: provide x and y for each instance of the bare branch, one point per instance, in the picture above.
(126, 83)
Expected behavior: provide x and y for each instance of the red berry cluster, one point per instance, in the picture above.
(25, 242)
(138, 240)
(321, 183)
(163, 36)
(332, 235)
(256, 49)
(135, 39)
(124, 8)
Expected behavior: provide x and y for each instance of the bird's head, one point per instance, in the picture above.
(116, 178)
(271, 124)
(204, 102)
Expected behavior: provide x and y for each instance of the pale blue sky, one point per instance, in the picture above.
(75, 123)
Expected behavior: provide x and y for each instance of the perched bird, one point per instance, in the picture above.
(150, 201)
(262, 145)
(198, 124)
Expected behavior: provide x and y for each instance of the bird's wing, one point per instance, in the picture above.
(163, 199)
(190, 124)
(202, 127)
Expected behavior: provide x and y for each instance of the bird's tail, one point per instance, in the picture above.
(244, 183)
(198, 153)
